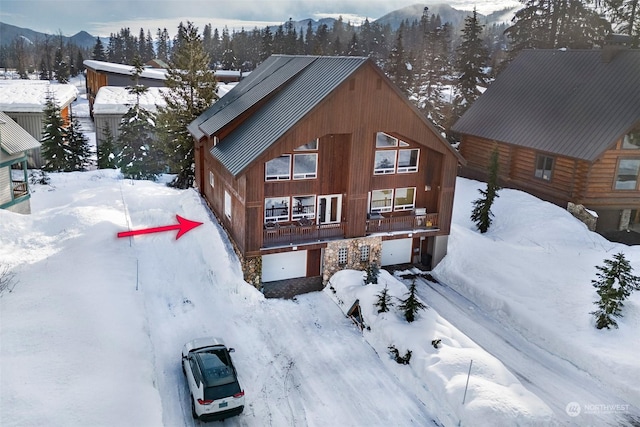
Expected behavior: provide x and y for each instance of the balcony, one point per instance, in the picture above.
(277, 234)
(379, 223)
(19, 189)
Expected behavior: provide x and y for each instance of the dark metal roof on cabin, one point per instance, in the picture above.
(564, 102)
(290, 86)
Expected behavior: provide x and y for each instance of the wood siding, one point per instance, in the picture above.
(345, 124)
(575, 180)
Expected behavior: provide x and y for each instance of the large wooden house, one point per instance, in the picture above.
(15, 143)
(567, 127)
(315, 164)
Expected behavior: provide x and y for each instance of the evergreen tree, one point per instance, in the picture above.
(482, 214)
(79, 64)
(625, 15)
(163, 44)
(54, 150)
(472, 58)
(372, 273)
(60, 67)
(98, 53)
(383, 303)
(397, 63)
(44, 74)
(411, 305)
(137, 156)
(614, 285)
(79, 152)
(106, 152)
(192, 89)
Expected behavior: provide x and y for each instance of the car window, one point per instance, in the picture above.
(216, 367)
(195, 370)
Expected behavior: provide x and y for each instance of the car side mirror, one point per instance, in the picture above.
(232, 350)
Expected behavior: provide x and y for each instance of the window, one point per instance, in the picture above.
(343, 256)
(408, 160)
(385, 141)
(544, 167)
(631, 141)
(385, 162)
(381, 200)
(627, 176)
(227, 204)
(211, 179)
(309, 146)
(405, 199)
(276, 209)
(305, 166)
(303, 207)
(364, 253)
(278, 168)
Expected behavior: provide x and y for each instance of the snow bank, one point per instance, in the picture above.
(533, 270)
(494, 396)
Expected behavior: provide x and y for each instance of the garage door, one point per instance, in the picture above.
(285, 265)
(396, 251)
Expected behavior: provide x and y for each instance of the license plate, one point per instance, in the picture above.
(222, 405)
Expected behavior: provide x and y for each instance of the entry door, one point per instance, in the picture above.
(329, 208)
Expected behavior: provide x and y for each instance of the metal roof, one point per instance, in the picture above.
(287, 88)
(565, 102)
(13, 138)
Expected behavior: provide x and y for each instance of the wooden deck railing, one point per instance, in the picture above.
(297, 234)
(403, 223)
(19, 189)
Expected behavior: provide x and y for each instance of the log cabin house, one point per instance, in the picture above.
(566, 124)
(315, 164)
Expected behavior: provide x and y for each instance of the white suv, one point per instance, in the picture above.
(212, 378)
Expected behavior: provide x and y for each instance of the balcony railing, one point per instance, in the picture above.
(292, 234)
(382, 224)
(19, 189)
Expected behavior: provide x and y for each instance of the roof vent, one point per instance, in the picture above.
(613, 44)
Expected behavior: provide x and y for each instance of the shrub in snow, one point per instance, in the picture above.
(481, 214)
(436, 343)
(37, 176)
(412, 304)
(372, 273)
(614, 285)
(404, 360)
(7, 279)
(384, 301)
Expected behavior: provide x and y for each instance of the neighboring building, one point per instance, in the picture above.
(113, 102)
(15, 142)
(567, 127)
(100, 74)
(24, 101)
(315, 164)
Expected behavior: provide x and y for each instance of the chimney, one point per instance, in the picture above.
(613, 44)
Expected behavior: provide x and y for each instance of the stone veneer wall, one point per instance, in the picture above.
(353, 246)
(252, 270)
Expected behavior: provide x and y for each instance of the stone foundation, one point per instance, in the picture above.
(252, 270)
(354, 262)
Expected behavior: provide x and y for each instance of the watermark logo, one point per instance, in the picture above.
(573, 409)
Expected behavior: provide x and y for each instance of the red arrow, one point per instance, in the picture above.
(183, 226)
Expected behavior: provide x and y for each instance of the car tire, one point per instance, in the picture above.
(193, 410)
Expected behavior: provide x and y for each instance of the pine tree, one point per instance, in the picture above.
(192, 89)
(482, 214)
(383, 303)
(60, 67)
(106, 151)
(614, 285)
(54, 150)
(625, 14)
(137, 156)
(472, 58)
(98, 51)
(411, 305)
(372, 273)
(397, 69)
(79, 152)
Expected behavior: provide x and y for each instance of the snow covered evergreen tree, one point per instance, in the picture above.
(383, 303)
(192, 89)
(98, 51)
(106, 151)
(79, 152)
(614, 285)
(53, 143)
(60, 66)
(481, 214)
(411, 305)
(137, 154)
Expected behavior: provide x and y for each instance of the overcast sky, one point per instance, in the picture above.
(103, 17)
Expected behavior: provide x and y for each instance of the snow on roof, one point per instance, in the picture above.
(117, 100)
(13, 138)
(30, 96)
(110, 67)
